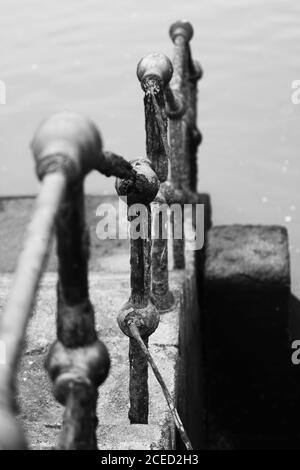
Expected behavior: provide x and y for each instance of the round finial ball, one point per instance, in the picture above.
(145, 187)
(69, 134)
(181, 28)
(82, 364)
(157, 65)
(146, 319)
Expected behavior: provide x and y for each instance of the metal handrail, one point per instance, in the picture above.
(66, 147)
(173, 98)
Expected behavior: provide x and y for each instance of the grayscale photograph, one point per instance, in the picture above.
(149, 228)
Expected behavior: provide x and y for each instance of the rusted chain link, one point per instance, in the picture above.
(178, 423)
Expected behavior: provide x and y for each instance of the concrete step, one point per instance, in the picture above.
(42, 415)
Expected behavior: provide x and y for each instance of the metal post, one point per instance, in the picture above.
(154, 72)
(139, 309)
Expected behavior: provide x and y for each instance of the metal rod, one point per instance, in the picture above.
(140, 271)
(138, 383)
(139, 306)
(29, 271)
(77, 362)
(161, 295)
(195, 137)
(140, 259)
(154, 72)
(79, 419)
(178, 423)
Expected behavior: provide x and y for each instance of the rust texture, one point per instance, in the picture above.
(140, 260)
(158, 152)
(75, 315)
(171, 403)
(74, 375)
(140, 264)
(115, 165)
(161, 295)
(178, 167)
(77, 362)
(155, 148)
(184, 134)
(138, 383)
(139, 309)
(195, 136)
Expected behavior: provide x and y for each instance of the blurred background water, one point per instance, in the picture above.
(82, 56)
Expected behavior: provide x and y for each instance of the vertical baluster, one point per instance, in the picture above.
(139, 309)
(195, 136)
(181, 32)
(154, 72)
(77, 362)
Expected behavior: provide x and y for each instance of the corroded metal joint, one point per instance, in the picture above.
(154, 70)
(146, 318)
(181, 28)
(69, 143)
(87, 365)
(145, 186)
(115, 165)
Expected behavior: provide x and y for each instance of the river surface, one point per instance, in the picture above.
(82, 56)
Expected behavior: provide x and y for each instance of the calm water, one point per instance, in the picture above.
(83, 55)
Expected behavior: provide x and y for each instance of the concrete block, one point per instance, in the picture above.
(247, 287)
(41, 415)
(246, 317)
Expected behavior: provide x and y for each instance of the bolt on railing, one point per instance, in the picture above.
(66, 147)
(138, 317)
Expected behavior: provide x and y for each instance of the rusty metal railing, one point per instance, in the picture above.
(169, 98)
(66, 147)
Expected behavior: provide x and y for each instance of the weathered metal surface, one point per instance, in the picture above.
(161, 295)
(78, 370)
(139, 308)
(195, 136)
(138, 383)
(155, 71)
(155, 149)
(184, 134)
(65, 147)
(178, 423)
(78, 362)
